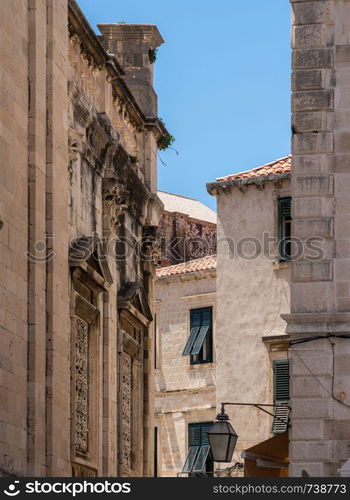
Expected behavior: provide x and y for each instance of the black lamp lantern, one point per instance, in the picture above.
(222, 438)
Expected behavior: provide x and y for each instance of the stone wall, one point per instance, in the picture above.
(183, 238)
(79, 211)
(320, 296)
(184, 393)
(13, 235)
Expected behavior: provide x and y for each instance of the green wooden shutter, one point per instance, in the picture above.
(285, 206)
(280, 424)
(190, 459)
(190, 341)
(197, 346)
(281, 380)
(199, 465)
(284, 227)
(194, 435)
(281, 395)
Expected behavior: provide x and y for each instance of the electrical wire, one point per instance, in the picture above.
(319, 337)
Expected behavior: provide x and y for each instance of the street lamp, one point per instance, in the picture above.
(223, 438)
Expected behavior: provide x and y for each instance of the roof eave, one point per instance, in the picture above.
(191, 274)
(219, 187)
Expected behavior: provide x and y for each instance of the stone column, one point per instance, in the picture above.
(320, 288)
(134, 45)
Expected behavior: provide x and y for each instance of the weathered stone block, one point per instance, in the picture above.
(313, 429)
(342, 54)
(310, 164)
(309, 387)
(307, 79)
(313, 100)
(305, 469)
(314, 185)
(336, 429)
(312, 409)
(310, 228)
(309, 36)
(342, 142)
(317, 450)
(312, 12)
(312, 58)
(310, 121)
(313, 271)
(342, 99)
(313, 143)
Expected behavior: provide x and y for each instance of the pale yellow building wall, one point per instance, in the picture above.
(184, 393)
(251, 295)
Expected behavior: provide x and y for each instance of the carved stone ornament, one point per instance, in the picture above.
(75, 139)
(82, 386)
(150, 243)
(126, 410)
(115, 203)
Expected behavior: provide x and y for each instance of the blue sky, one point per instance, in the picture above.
(223, 81)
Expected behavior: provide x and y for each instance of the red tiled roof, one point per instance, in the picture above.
(281, 166)
(204, 264)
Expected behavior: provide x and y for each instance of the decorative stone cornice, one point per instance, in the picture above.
(97, 58)
(317, 323)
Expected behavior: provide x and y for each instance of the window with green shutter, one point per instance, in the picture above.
(199, 344)
(198, 460)
(281, 395)
(284, 228)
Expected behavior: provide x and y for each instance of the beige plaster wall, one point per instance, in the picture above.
(251, 295)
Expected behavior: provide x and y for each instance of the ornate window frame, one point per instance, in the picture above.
(90, 276)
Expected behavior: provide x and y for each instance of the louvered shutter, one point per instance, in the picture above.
(280, 424)
(285, 206)
(205, 428)
(194, 435)
(281, 395)
(190, 341)
(281, 380)
(190, 459)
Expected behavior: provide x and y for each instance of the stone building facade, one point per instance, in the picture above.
(320, 292)
(187, 229)
(79, 211)
(253, 290)
(185, 385)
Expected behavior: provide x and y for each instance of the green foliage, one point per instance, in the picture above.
(152, 55)
(165, 141)
(133, 159)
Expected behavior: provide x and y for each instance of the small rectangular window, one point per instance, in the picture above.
(284, 228)
(199, 344)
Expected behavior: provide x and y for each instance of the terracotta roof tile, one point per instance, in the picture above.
(204, 264)
(281, 166)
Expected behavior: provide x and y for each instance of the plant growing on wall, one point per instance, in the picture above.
(133, 159)
(152, 55)
(165, 142)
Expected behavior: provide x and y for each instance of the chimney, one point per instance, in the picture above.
(131, 44)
